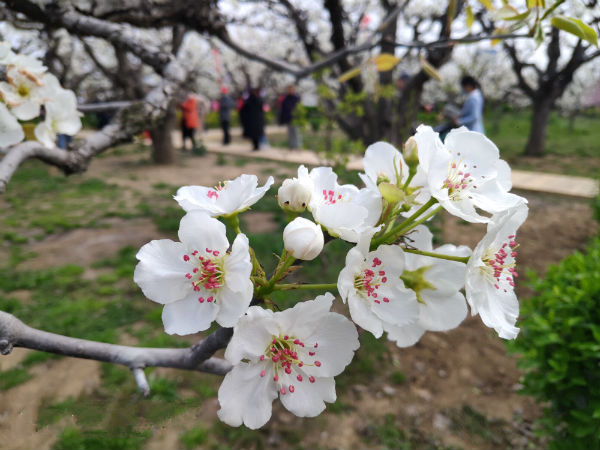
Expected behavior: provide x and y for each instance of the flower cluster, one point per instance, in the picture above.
(394, 281)
(29, 91)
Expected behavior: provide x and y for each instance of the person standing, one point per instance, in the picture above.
(471, 114)
(253, 118)
(226, 104)
(190, 120)
(286, 117)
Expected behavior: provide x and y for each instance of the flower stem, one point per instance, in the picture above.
(407, 224)
(462, 259)
(289, 287)
(422, 219)
(411, 173)
(234, 222)
(285, 262)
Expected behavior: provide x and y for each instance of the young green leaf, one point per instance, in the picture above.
(385, 62)
(350, 74)
(470, 17)
(429, 69)
(575, 27)
(487, 4)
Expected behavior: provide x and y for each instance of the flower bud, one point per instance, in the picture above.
(303, 239)
(293, 195)
(411, 155)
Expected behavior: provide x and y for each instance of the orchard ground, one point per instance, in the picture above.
(68, 256)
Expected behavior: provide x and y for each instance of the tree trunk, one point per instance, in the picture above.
(539, 123)
(163, 151)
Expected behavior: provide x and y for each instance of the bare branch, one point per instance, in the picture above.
(14, 333)
(105, 106)
(82, 25)
(462, 40)
(334, 57)
(518, 69)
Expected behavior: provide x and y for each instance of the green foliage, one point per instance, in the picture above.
(596, 206)
(389, 435)
(42, 203)
(398, 377)
(194, 438)
(73, 438)
(560, 349)
(352, 104)
(13, 377)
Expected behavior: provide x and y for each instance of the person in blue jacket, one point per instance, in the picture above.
(471, 114)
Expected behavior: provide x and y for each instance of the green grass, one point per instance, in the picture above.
(194, 438)
(74, 438)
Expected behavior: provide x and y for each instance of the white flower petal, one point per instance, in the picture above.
(197, 197)
(442, 311)
(421, 239)
(306, 316)
(475, 148)
(189, 316)
(504, 175)
(402, 307)
(26, 110)
(340, 215)
(246, 397)
(337, 341)
(10, 130)
(199, 231)
(251, 335)
(428, 146)
(161, 271)
(363, 316)
(45, 134)
(232, 305)
(384, 160)
(406, 335)
(238, 266)
(308, 399)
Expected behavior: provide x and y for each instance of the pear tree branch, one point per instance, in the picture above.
(14, 333)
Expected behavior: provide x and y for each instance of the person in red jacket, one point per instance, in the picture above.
(190, 120)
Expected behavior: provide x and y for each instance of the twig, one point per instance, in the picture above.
(141, 381)
(466, 39)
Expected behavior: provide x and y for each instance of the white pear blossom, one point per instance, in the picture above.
(230, 197)
(294, 193)
(11, 131)
(61, 117)
(344, 210)
(303, 239)
(371, 284)
(437, 284)
(293, 354)
(196, 279)
(26, 64)
(24, 92)
(383, 163)
(6, 53)
(465, 173)
(491, 271)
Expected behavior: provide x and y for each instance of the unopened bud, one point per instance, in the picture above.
(293, 195)
(411, 154)
(303, 239)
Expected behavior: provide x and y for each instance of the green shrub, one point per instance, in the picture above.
(560, 350)
(596, 206)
